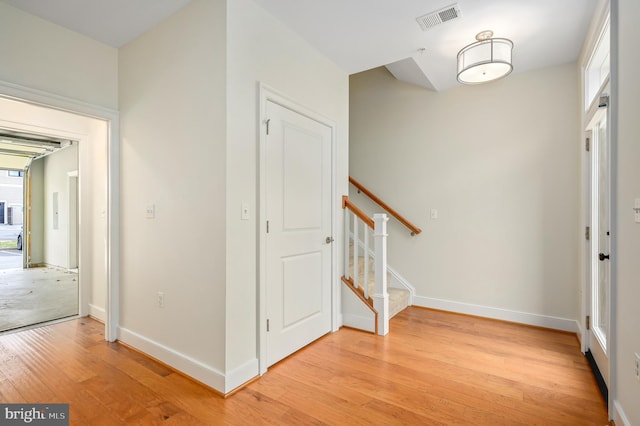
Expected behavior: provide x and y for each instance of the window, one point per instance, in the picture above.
(16, 173)
(598, 67)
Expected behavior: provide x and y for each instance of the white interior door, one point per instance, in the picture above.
(298, 239)
(598, 332)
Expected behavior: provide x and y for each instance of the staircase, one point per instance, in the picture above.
(398, 297)
(370, 297)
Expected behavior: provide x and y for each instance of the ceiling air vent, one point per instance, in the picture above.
(438, 17)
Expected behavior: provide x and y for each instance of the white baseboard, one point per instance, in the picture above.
(181, 362)
(359, 322)
(398, 281)
(241, 375)
(97, 312)
(618, 414)
(498, 313)
(580, 334)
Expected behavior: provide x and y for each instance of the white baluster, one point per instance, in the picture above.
(356, 274)
(366, 262)
(347, 236)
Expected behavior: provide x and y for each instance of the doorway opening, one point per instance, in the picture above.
(38, 282)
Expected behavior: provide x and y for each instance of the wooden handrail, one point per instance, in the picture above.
(347, 204)
(414, 229)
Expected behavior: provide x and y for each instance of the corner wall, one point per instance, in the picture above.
(173, 152)
(262, 50)
(500, 163)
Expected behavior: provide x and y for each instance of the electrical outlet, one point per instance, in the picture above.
(160, 301)
(637, 367)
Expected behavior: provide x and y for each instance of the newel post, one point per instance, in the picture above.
(380, 296)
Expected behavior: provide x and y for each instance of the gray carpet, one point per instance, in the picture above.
(32, 296)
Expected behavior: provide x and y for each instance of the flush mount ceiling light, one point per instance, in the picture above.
(487, 59)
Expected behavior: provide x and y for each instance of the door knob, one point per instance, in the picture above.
(603, 256)
(329, 240)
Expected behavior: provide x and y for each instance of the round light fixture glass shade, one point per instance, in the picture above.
(484, 61)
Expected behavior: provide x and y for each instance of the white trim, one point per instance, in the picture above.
(359, 322)
(241, 375)
(537, 320)
(398, 281)
(98, 313)
(183, 363)
(580, 334)
(49, 100)
(618, 414)
(267, 93)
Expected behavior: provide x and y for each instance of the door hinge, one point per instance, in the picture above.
(587, 232)
(587, 144)
(267, 121)
(267, 227)
(267, 325)
(588, 321)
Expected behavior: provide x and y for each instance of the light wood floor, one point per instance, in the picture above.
(433, 368)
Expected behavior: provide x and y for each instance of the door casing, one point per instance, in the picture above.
(111, 118)
(587, 252)
(267, 93)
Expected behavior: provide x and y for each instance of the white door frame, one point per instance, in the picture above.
(596, 111)
(72, 219)
(267, 93)
(111, 117)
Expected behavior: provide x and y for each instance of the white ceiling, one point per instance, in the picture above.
(362, 34)
(112, 22)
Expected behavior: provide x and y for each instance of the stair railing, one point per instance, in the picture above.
(414, 229)
(379, 301)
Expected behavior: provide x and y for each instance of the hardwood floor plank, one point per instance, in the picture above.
(434, 368)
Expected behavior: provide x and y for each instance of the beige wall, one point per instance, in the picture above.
(500, 163)
(625, 112)
(40, 55)
(172, 109)
(189, 145)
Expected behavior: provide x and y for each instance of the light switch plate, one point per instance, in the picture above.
(150, 211)
(434, 213)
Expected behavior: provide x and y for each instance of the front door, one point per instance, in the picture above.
(298, 243)
(598, 333)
